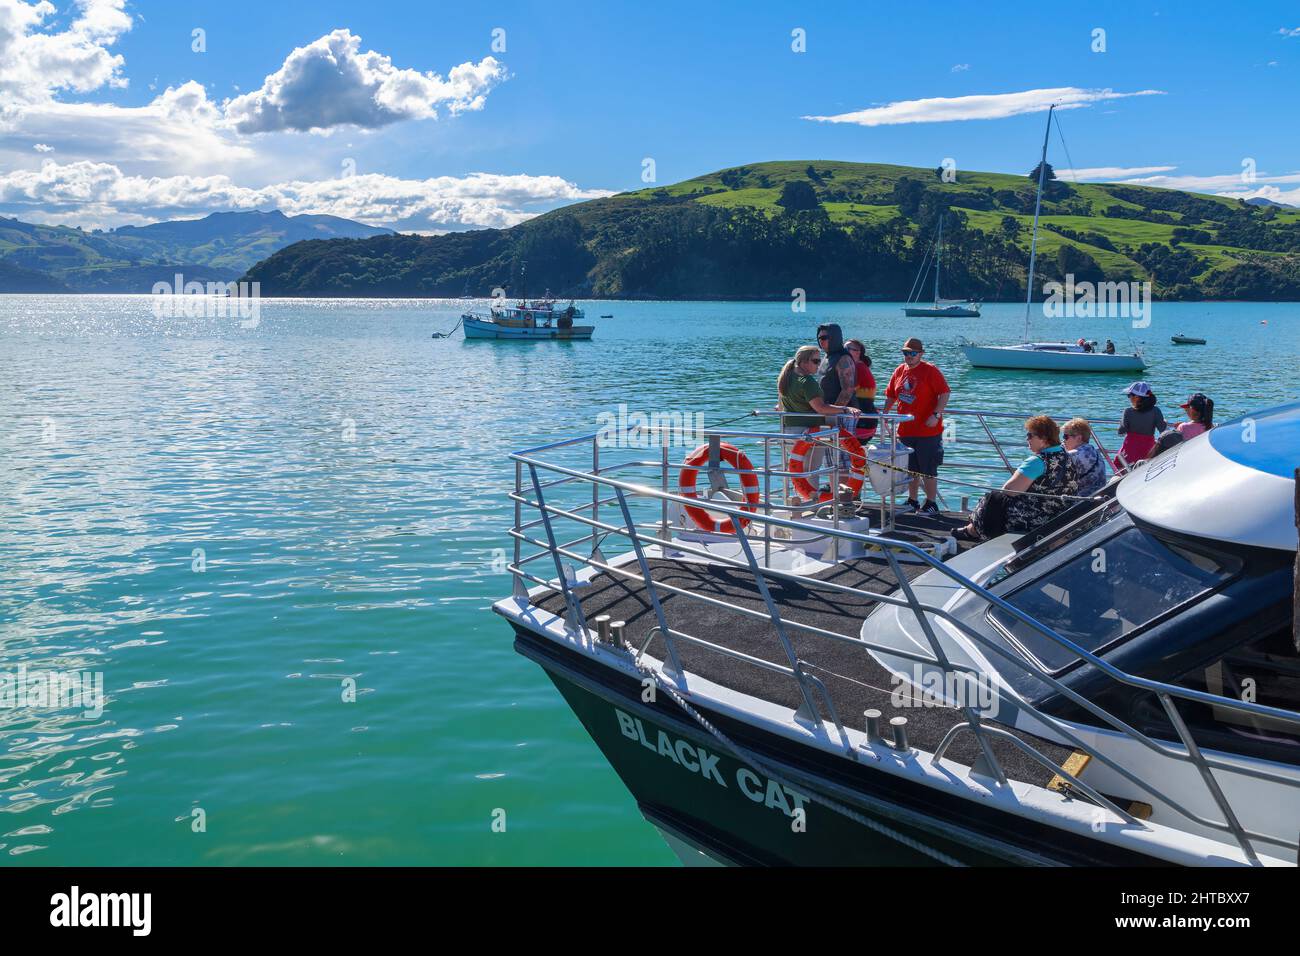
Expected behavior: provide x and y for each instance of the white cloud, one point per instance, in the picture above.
(36, 63)
(960, 68)
(42, 148)
(330, 83)
(1290, 32)
(94, 194)
(983, 106)
(1110, 173)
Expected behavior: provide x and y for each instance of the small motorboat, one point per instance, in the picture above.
(1181, 339)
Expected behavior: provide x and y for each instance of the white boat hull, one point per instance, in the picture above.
(942, 312)
(482, 329)
(1050, 356)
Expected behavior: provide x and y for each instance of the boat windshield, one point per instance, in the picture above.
(1106, 593)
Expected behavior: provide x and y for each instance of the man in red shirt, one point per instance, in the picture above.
(921, 391)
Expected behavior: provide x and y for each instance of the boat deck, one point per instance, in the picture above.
(853, 678)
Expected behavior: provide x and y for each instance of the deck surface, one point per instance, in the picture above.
(855, 681)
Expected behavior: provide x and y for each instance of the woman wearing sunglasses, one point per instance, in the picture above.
(1041, 488)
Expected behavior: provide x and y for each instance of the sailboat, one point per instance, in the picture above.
(942, 308)
(1047, 356)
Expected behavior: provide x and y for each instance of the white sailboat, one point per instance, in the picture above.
(942, 308)
(1047, 356)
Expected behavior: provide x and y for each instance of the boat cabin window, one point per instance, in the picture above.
(1265, 670)
(1107, 592)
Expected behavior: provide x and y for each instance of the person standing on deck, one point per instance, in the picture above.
(1140, 425)
(864, 395)
(921, 391)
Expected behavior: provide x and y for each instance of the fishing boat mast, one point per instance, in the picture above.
(1038, 204)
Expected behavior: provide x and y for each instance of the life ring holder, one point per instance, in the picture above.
(734, 457)
(853, 480)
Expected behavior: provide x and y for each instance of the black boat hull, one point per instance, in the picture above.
(699, 791)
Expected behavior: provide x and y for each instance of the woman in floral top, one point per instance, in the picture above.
(1089, 465)
(1041, 488)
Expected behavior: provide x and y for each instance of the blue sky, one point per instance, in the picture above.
(406, 114)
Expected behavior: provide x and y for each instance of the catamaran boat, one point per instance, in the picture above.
(852, 686)
(530, 320)
(942, 308)
(1047, 356)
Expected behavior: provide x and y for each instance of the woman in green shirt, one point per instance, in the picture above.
(800, 390)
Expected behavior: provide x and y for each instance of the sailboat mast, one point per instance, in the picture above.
(1038, 204)
(938, 260)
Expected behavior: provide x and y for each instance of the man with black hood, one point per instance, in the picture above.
(839, 379)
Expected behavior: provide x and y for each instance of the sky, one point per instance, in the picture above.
(429, 117)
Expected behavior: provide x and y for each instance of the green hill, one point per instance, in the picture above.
(219, 247)
(834, 229)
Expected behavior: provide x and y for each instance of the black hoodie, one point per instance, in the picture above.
(835, 351)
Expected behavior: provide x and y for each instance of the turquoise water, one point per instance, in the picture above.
(344, 476)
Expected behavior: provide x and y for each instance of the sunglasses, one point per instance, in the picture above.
(1029, 435)
(910, 352)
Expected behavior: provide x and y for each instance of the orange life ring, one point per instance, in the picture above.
(857, 466)
(734, 457)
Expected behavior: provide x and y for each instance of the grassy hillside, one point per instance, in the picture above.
(837, 230)
(219, 247)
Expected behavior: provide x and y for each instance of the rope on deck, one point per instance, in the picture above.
(875, 825)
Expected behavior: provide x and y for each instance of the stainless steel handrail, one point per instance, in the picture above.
(1164, 692)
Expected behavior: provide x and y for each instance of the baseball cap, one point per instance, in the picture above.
(1140, 389)
(1196, 400)
(914, 344)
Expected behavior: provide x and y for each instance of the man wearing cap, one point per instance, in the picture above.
(921, 391)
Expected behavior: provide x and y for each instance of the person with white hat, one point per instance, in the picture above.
(1142, 421)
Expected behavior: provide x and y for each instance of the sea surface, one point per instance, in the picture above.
(277, 545)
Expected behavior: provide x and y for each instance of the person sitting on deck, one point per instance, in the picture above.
(1041, 488)
(798, 389)
(1200, 414)
(1089, 464)
(1110, 347)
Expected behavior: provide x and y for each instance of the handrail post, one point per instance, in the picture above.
(674, 663)
(596, 553)
(972, 718)
(663, 483)
(1207, 775)
(519, 588)
(835, 492)
(997, 446)
(574, 616)
(809, 705)
(767, 502)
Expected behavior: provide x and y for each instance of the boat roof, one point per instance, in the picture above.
(1234, 483)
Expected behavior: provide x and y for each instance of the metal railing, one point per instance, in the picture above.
(658, 534)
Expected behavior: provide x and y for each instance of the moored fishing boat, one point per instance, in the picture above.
(1181, 339)
(842, 689)
(536, 320)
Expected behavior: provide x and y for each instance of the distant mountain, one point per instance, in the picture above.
(1264, 201)
(218, 247)
(835, 230)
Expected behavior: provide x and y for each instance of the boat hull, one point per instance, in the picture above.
(989, 356)
(953, 312)
(1185, 340)
(480, 329)
(701, 794)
